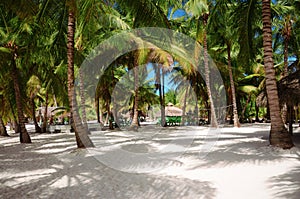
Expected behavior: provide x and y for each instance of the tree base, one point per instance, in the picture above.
(25, 138)
(133, 128)
(281, 139)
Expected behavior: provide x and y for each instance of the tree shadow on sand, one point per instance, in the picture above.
(29, 171)
(286, 185)
(235, 148)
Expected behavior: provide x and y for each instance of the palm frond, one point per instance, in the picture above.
(146, 13)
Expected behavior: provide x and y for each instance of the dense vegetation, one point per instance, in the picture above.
(254, 44)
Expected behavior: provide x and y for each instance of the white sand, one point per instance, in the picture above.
(176, 162)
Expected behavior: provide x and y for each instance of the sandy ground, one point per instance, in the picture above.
(175, 162)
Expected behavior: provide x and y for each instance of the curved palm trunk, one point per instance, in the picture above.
(81, 134)
(235, 112)
(37, 127)
(279, 135)
(3, 131)
(24, 136)
(14, 123)
(207, 77)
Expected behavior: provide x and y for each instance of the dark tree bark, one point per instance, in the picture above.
(82, 97)
(291, 119)
(33, 110)
(44, 126)
(82, 138)
(3, 131)
(213, 119)
(279, 135)
(184, 106)
(24, 136)
(135, 122)
(161, 98)
(97, 109)
(235, 112)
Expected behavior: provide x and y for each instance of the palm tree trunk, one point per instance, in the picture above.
(101, 116)
(279, 135)
(245, 107)
(109, 117)
(163, 102)
(37, 127)
(3, 131)
(44, 127)
(207, 76)
(82, 97)
(235, 112)
(81, 135)
(135, 122)
(14, 123)
(256, 113)
(115, 114)
(160, 93)
(290, 111)
(184, 106)
(97, 109)
(24, 136)
(196, 112)
(284, 110)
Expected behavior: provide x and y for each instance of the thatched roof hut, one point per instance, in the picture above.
(171, 110)
(289, 89)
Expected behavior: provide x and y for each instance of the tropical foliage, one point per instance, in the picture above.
(43, 44)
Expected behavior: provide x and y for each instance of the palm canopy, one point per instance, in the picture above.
(36, 33)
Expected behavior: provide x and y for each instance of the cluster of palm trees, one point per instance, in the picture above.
(44, 42)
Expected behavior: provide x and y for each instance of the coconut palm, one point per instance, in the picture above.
(278, 135)
(145, 13)
(222, 32)
(81, 133)
(284, 15)
(15, 32)
(200, 10)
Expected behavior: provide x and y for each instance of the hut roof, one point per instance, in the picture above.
(171, 110)
(289, 89)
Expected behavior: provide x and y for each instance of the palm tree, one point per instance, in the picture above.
(24, 136)
(81, 134)
(135, 119)
(200, 10)
(15, 34)
(146, 13)
(225, 35)
(278, 135)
